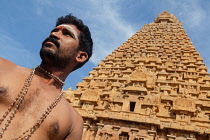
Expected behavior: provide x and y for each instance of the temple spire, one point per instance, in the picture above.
(153, 86)
(166, 17)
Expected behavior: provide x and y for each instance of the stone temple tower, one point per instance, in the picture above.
(153, 87)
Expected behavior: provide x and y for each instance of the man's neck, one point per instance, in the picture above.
(51, 75)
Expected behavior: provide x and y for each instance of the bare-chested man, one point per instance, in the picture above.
(31, 102)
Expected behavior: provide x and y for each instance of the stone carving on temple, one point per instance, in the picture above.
(154, 86)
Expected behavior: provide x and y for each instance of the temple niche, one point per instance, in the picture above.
(154, 86)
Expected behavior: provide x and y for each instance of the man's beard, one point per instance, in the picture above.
(57, 61)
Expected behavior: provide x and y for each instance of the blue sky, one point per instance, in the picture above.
(24, 24)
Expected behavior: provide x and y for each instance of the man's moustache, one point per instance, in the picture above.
(53, 40)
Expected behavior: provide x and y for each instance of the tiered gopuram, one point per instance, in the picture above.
(153, 87)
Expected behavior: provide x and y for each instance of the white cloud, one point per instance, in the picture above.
(16, 52)
(194, 15)
(109, 29)
(41, 5)
(189, 12)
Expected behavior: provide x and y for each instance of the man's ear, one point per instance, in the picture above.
(81, 57)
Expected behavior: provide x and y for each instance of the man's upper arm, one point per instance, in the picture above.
(77, 129)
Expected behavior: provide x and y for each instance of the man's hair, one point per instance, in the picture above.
(85, 40)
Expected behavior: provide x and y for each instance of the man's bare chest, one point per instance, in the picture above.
(16, 88)
(34, 104)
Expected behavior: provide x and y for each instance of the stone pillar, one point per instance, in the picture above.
(87, 135)
(137, 107)
(171, 137)
(134, 131)
(125, 103)
(85, 130)
(192, 139)
(100, 126)
(192, 136)
(92, 133)
(152, 134)
(116, 132)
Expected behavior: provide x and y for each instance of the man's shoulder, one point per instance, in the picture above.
(76, 127)
(76, 115)
(5, 63)
(77, 130)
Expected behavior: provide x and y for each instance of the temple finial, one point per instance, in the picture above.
(166, 17)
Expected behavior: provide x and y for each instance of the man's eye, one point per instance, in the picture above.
(67, 33)
(55, 30)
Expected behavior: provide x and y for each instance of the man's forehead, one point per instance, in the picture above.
(70, 27)
(65, 25)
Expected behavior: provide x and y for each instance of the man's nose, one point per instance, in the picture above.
(55, 35)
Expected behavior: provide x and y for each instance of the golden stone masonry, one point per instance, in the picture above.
(153, 87)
